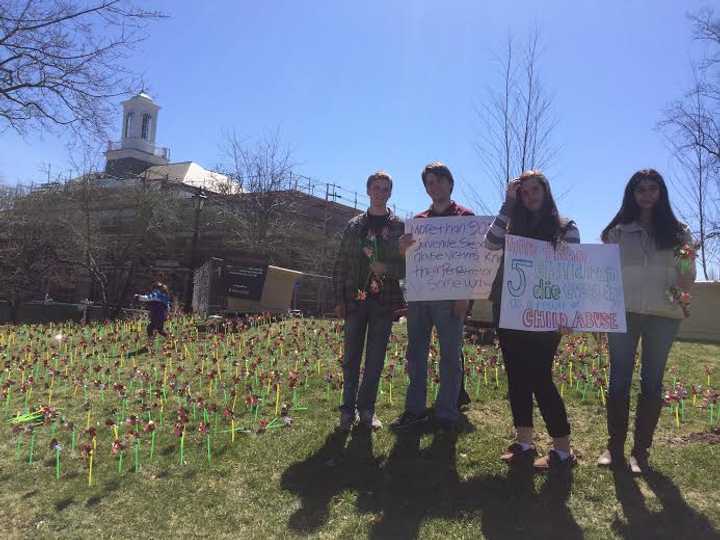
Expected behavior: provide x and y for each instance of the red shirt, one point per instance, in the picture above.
(453, 210)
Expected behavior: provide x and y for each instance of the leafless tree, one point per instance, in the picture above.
(696, 180)
(516, 118)
(272, 218)
(691, 126)
(260, 216)
(706, 27)
(31, 246)
(61, 61)
(103, 231)
(119, 228)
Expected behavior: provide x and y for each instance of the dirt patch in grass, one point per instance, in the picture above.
(702, 437)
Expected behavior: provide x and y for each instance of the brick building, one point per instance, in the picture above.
(309, 215)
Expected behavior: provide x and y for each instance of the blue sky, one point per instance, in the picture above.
(357, 86)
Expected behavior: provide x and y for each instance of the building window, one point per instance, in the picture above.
(145, 126)
(128, 121)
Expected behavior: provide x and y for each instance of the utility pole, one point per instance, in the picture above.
(199, 197)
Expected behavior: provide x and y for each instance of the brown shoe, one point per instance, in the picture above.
(553, 462)
(515, 454)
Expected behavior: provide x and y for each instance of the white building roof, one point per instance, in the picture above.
(193, 174)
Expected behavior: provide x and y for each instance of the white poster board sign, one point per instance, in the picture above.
(578, 286)
(448, 260)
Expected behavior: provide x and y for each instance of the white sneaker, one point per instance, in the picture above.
(370, 420)
(634, 465)
(605, 459)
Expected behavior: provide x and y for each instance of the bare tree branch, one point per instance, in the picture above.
(516, 120)
(61, 63)
(690, 127)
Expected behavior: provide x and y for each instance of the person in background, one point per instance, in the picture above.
(158, 301)
(658, 268)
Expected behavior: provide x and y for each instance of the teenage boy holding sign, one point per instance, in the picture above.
(446, 316)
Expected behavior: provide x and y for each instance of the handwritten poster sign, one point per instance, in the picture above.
(448, 260)
(578, 286)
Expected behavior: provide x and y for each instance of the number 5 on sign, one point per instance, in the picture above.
(518, 289)
(576, 286)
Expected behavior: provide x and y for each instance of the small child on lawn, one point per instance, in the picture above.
(158, 301)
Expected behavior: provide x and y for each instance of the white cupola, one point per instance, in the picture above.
(136, 149)
(140, 115)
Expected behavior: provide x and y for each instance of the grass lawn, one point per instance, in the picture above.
(306, 479)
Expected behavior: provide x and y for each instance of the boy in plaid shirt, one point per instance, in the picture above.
(367, 294)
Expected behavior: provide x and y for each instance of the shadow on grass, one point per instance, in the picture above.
(169, 449)
(676, 519)
(428, 487)
(62, 504)
(110, 486)
(329, 471)
(141, 350)
(219, 450)
(415, 485)
(512, 509)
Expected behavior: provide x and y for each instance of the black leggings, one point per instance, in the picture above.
(528, 358)
(157, 323)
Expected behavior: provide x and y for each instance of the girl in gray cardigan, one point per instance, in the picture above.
(650, 237)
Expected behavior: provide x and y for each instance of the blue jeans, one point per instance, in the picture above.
(373, 320)
(657, 335)
(421, 318)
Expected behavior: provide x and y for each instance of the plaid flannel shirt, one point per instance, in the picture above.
(348, 276)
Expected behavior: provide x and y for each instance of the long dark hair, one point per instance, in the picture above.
(667, 230)
(547, 225)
